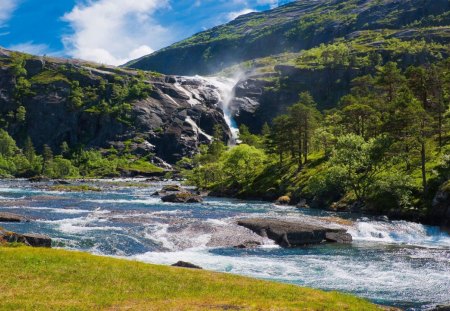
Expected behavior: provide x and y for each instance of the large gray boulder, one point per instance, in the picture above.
(292, 234)
(10, 217)
(182, 197)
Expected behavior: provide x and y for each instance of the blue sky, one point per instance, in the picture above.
(112, 31)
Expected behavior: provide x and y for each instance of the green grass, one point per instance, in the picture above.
(49, 279)
(74, 188)
(139, 166)
(48, 77)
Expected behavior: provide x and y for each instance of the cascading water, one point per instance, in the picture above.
(223, 89)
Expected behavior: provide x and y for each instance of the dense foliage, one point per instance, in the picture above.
(385, 147)
(25, 162)
(107, 94)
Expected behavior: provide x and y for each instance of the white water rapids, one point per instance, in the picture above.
(396, 263)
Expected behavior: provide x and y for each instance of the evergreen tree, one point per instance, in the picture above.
(29, 151)
(47, 155)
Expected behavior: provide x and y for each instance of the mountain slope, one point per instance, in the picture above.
(88, 105)
(296, 26)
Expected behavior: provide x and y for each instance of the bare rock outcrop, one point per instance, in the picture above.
(292, 234)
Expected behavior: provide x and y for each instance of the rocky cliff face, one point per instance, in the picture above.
(93, 106)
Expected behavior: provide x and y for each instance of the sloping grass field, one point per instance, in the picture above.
(53, 279)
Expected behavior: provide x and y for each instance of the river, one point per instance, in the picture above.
(395, 263)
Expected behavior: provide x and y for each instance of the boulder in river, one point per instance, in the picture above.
(182, 197)
(284, 200)
(292, 234)
(30, 239)
(442, 308)
(188, 265)
(10, 217)
(172, 188)
(38, 179)
(338, 237)
(248, 244)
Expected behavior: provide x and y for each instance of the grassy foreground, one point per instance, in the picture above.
(49, 279)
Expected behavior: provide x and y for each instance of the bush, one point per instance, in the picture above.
(8, 146)
(391, 191)
(61, 168)
(243, 164)
(91, 163)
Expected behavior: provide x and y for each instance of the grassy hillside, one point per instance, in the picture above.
(45, 279)
(294, 27)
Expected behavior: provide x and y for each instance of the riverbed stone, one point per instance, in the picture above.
(172, 188)
(184, 264)
(338, 237)
(294, 234)
(10, 217)
(442, 308)
(182, 197)
(37, 240)
(284, 200)
(248, 244)
(30, 239)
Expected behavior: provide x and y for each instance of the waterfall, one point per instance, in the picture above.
(225, 87)
(222, 89)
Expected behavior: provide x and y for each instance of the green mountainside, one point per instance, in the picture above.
(108, 120)
(299, 26)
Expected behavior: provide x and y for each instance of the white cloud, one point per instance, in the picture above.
(7, 8)
(115, 31)
(30, 48)
(272, 3)
(234, 15)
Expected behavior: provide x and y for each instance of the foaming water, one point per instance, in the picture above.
(395, 263)
(399, 232)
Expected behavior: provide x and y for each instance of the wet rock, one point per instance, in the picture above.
(61, 182)
(188, 265)
(292, 234)
(182, 197)
(383, 218)
(10, 217)
(338, 221)
(284, 200)
(37, 240)
(172, 188)
(302, 204)
(442, 308)
(30, 239)
(39, 179)
(338, 237)
(154, 178)
(248, 244)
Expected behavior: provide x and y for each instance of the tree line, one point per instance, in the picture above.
(385, 144)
